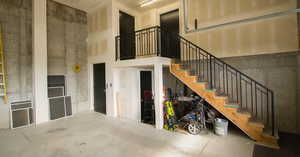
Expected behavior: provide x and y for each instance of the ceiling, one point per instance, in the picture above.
(87, 5)
(135, 4)
(84, 5)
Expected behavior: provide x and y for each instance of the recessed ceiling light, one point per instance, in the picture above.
(147, 2)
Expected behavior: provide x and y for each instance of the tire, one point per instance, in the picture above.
(194, 128)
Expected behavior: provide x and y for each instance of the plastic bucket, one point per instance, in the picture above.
(221, 126)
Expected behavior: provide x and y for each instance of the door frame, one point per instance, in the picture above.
(167, 53)
(169, 11)
(139, 89)
(92, 93)
(134, 28)
(133, 14)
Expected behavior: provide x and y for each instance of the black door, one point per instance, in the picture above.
(127, 36)
(147, 102)
(99, 88)
(169, 23)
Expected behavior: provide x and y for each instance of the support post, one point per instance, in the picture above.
(158, 95)
(39, 47)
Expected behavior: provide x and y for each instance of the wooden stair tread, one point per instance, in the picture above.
(211, 90)
(256, 123)
(268, 133)
(181, 69)
(199, 82)
(244, 112)
(270, 136)
(232, 105)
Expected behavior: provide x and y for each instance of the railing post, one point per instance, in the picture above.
(210, 71)
(268, 106)
(158, 41)
(273, 114)
(116, 46)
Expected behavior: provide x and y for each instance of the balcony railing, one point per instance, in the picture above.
(147, 42)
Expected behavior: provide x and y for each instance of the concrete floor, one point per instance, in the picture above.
(92, 134)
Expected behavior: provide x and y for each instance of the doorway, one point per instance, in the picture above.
(127, 36)
(147, 102)
(170, 22)
(99, 88)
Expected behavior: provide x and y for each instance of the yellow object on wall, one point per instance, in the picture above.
(77, 68)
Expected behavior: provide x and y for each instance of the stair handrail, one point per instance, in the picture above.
(176, 35)
(218, 59)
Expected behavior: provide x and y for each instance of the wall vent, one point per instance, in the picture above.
(21, 114)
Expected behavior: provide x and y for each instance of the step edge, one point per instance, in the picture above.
(274, 146)
(256, 123)
(232, 106)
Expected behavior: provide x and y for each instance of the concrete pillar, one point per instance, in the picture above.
(158, 95)
(39, 47)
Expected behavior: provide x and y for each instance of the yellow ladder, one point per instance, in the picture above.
(2, 71)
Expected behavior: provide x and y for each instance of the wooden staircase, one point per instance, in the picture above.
(244, 101)
(232, 111)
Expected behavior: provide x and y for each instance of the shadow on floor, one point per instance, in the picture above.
(289, 147)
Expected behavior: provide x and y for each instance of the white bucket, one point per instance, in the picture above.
(221, 126)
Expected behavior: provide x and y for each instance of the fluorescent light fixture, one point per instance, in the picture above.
(147, 2)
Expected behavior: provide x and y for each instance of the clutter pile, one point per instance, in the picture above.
(191, 115)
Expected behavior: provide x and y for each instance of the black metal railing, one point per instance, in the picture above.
(147, 42)
(241, 89)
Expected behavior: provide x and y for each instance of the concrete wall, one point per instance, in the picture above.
(280, 73)
(67, 46)
(15, 17)
(16, 20)
(67, 33)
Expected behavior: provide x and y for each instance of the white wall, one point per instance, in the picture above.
(39, 44)
(127, 87)
(4, 116)
(101, 50)
(127, 93)
(152, 17)
(101, 46)
(123, 97)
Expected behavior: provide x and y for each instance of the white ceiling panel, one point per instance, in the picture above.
(87, 5)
